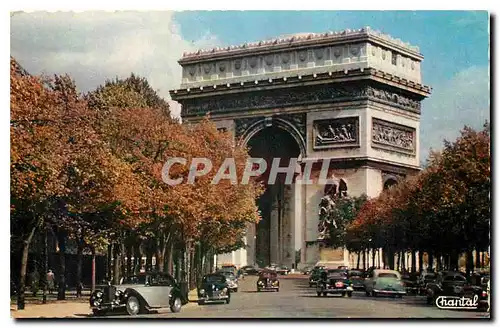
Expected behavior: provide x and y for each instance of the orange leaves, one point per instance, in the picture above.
(444, 203)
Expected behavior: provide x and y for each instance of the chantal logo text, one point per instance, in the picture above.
(455, 302)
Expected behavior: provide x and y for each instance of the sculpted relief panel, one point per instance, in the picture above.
(333, 133)
(393, 137)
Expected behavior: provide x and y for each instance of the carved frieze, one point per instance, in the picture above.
(295, 96)
(242, 124)
(334, 133)
(393, 137)
(298, 121)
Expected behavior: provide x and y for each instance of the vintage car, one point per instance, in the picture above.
(334, 282)
(384, 282)
(410, 282)
(283, 270)
(307, 270)
(315, 275)
(424, 279)
(139, 294)
(250, 270)
(268, 280)
(357, 279)
(455, 284)
(214, 288)
(232, 280)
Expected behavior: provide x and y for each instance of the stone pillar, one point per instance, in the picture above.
(251, 245)
(273, 229)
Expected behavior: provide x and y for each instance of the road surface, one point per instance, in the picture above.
(297, 300)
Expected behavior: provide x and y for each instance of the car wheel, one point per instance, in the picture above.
(430, 300)
(367, 293)
(374, 294)
(400, 296)
(343, 294)
(277, 290)
(236, 290)
(325, 294)
(133, 306)
(228, 300)
(310, 285)
(201, 302)
(258, 290)
(176, 304)
(319, 293)
(349, 294)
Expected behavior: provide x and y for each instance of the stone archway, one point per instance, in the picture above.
(390, 182)
(271, 240)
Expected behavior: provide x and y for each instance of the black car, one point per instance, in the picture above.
(334, 282)
(315, 275)
(411, 283)
(268, 280)
(139, 294)
(283, 270)
(250, 270)
(455, 284)
(357, 280)
(214, 288)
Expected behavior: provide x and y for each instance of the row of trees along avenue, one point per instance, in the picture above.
(88, 168)
(443, 211)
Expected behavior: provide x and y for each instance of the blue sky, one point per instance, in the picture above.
(94, 46)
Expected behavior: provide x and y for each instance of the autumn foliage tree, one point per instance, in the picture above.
(444, 210)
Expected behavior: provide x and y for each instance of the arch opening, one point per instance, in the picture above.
(272, 236)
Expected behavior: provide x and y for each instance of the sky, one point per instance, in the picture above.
(95, 46)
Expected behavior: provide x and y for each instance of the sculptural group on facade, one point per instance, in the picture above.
(392, 136)
(326, 206)
(337, 133)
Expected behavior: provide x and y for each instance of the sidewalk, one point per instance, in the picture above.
(68, 309)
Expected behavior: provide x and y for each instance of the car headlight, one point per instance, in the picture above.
(225, 289)
(99, 294)
(202, 291)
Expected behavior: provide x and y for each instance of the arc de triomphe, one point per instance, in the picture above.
(353, 97)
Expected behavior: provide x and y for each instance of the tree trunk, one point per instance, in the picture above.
(130, 252)
(469, 264)
(478, 259)
(364, 259)
(45, 269)
(61, 292)
(170, 257)
(373, 257)
(482, 259)
(420, 260)
(24, 266)
(79, 263)
(93, 269)
(403, 261)
(116, 271)
(109, 262)
(413, 261)
(398, 268)
(122, 259)
(430, 256)
(357, 260)
(137, 259)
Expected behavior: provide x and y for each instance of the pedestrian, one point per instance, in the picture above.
(50, 281)
(79, 288)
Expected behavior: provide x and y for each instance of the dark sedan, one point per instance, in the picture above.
(334, 282)
(214, 288)
(357, 280)
(268, 280)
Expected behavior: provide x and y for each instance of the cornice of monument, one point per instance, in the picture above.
(303, 40)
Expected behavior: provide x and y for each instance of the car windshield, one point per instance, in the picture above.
(228, 275)
(355, 273)
(135, 280)
(268, 275)
(214, 279)
(388, 275)
(337, 274)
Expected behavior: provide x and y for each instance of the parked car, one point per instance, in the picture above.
(307, 270)
(268, 280)
(139, 294)
(214, 288)
(315, 275)
(384, 282)
(357, 280)
(411, 283)
(232, 280)
(453, 283)
(283, 270)
(334, 282)
(424, 279)
(251, 271)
